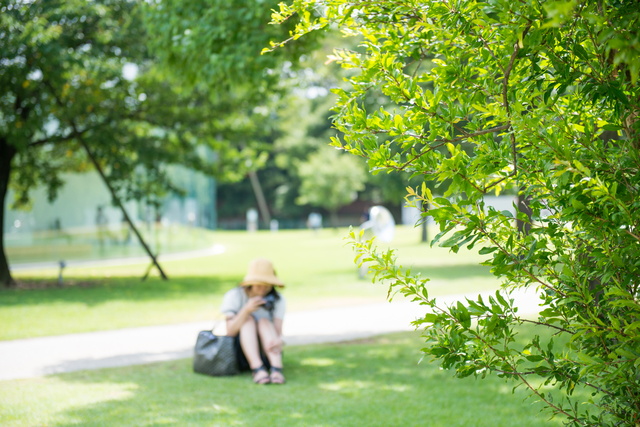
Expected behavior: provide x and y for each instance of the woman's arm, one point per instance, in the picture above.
(275, 344)
(278, 325)
(234, 323)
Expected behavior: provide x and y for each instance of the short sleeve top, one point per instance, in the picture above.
(236, 298)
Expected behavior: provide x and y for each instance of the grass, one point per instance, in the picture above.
(374, 382)
(318, 270)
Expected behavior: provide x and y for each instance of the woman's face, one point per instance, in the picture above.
(260, 290)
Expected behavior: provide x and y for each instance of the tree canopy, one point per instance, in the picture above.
(303, 127)
(218, 43)
(539, 97)
(330, 180)
(79, 79)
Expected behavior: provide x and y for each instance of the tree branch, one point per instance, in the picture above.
(493, 184)
(505, 97)
(444, 141)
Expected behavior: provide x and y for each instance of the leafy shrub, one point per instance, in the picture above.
(539, 97)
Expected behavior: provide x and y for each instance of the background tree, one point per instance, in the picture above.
(523, 96)
(78, 77)
(302, 126)
(299, 124)
(218, 43)
(330, 180)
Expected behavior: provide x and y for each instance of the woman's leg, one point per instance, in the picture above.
(251, 349)
(268, 336)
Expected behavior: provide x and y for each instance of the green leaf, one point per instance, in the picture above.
(534, 358)
(532, 249)
(430, 318)
(487, 250)
(463, 315)
(586, 358)
(577, 203)
(501, 300)
(549, 312)
(580, 52)
(626, 353)
(611, 127)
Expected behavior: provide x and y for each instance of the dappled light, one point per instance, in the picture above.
(317, 362)
(348, 387)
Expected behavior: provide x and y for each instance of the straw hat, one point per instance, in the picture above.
(261, 272)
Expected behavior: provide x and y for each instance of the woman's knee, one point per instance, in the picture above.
(249, 326)
(265, 324)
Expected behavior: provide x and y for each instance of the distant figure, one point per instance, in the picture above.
(101, 225)
(252, 220)
(254, 311)
(56, 226)
(365, 216)
(314, 222)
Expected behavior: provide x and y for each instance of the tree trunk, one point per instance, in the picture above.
(262, 203)
(523, 206)
(7, 152)
(116, 199)
(425, 208)
(333, 215)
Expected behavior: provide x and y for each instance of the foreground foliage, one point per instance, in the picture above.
(539, 97)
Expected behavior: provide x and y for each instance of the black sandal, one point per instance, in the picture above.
(276, 380)
(264, 380)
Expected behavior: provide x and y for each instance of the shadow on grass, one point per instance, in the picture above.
(92, 291)
(369, 383)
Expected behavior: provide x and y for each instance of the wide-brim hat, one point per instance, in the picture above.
(261, 272)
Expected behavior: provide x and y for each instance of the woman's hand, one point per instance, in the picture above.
(275, 345)
(253, 304)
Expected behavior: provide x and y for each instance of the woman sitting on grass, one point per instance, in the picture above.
(254, 312)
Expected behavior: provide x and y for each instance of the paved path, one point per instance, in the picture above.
(216, 249)
(34, 357)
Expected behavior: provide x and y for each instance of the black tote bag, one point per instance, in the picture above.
(215, 355)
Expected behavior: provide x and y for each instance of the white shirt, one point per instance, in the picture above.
(236, 298)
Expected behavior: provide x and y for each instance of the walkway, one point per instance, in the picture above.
(33, 357)
(216, 249)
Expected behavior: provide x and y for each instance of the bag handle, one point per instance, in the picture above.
(219, 319)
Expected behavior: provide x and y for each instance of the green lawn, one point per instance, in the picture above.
(374, 382)
(318, 270)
